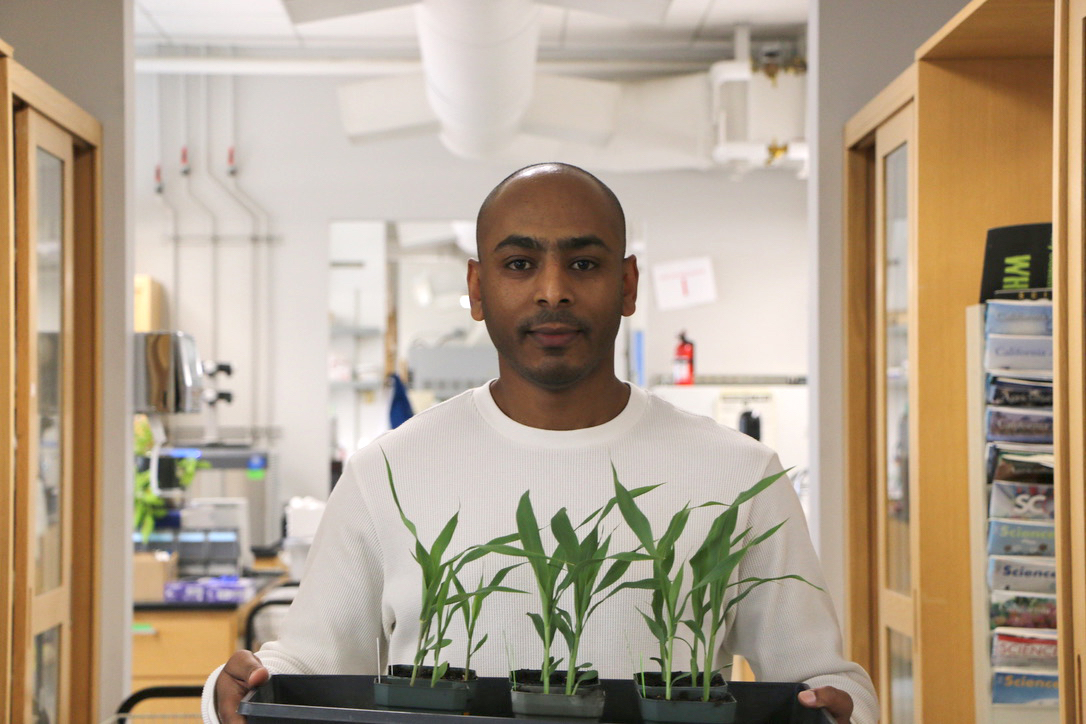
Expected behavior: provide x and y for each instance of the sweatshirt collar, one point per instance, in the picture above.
(603, 434)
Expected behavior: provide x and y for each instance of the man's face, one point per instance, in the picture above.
(551, 282)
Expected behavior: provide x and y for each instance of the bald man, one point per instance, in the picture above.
(551, 282)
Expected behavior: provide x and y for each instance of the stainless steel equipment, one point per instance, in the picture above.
(234, 472)
(169, 377)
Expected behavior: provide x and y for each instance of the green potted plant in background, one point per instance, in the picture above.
(573, 569)
(147, 505)
(707, 595)
(443, 596)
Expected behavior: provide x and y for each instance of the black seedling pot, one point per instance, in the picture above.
(530, 702)
(450, 694)
(687, 708)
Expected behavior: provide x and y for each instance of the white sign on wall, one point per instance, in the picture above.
(684, 283)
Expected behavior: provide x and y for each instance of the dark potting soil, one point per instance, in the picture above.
(534, 677)
(678, 678)
(425, 672)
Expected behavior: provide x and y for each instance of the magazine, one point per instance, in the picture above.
(1019, 424)
(1018, 392)
(1006, 316)
(1008, 536)
(1019, 462)
(1019, 352)
(1031, 574)
(1026, 648)
(1022, 610)
(1025, 686)
(1028, 501)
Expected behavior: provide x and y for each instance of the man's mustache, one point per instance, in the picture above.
(546, 316)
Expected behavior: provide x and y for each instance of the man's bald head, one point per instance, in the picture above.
(542, 173)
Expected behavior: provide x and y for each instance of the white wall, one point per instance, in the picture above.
(856, 48)
(84, 50)
(296, 160)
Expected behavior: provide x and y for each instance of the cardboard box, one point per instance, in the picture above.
(150, 571)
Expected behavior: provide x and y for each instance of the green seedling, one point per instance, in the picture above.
(711, 569)
(439, 579)
(473, 607)
(575, 565)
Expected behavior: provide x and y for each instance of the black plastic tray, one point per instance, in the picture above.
(290, 699)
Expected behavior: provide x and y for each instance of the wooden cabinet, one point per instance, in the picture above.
(50, 365)
(996, 139)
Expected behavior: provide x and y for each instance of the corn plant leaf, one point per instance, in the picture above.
(604, 510)
(478, 551)
(758, 487)
(527, 526)
(724, 570)
(654, 627)
(760, 582)
(633, 516)
(480, 643)
(439, 672)
(646, 584)
(614, 573)
(437, 550)
(569, 549)
(674, 529)
(407, 523)
(632, 557)
(537, 621)
(675, 589)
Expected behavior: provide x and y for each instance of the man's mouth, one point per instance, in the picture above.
(555, 335)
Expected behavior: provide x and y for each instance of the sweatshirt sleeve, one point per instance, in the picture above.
(335, 624)
(788, 630)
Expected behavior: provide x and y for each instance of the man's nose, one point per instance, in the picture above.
(554, 289)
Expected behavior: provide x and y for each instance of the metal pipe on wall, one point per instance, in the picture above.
(263, 330)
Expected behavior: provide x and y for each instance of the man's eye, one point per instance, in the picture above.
(518, 264)
(584, 264)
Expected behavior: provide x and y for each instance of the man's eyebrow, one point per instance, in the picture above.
(530, 243)
(581, 242)
(520, 242)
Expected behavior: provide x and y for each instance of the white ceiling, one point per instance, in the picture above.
(690, 28)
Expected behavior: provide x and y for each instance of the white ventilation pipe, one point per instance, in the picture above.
(479, 60)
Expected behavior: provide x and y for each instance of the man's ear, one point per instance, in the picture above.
(630, 276)
(474, 294)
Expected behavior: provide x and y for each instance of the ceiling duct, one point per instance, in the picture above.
(478, 57)
(480, 85)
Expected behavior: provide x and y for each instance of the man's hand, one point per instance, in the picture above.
(242, 672)
(837, 703)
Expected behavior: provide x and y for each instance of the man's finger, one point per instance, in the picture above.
(836, 702)
(242, 672)
(242, 665)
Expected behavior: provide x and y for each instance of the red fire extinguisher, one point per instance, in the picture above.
(682, 369)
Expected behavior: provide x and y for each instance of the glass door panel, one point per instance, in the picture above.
(895, 310)
(50, 303)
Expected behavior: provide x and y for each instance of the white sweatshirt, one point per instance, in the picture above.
(361, 587)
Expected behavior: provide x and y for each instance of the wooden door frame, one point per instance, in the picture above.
(861, 630)
(7, 378)
(18, 86)
(1069, 326)
(37, 612)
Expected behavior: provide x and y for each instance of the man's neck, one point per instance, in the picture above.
(584, 405)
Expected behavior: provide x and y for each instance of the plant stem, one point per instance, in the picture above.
(571, 678)
(710, 648)
(546, 670)
(667, 666)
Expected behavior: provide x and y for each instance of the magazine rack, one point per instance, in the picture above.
(291, 699)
